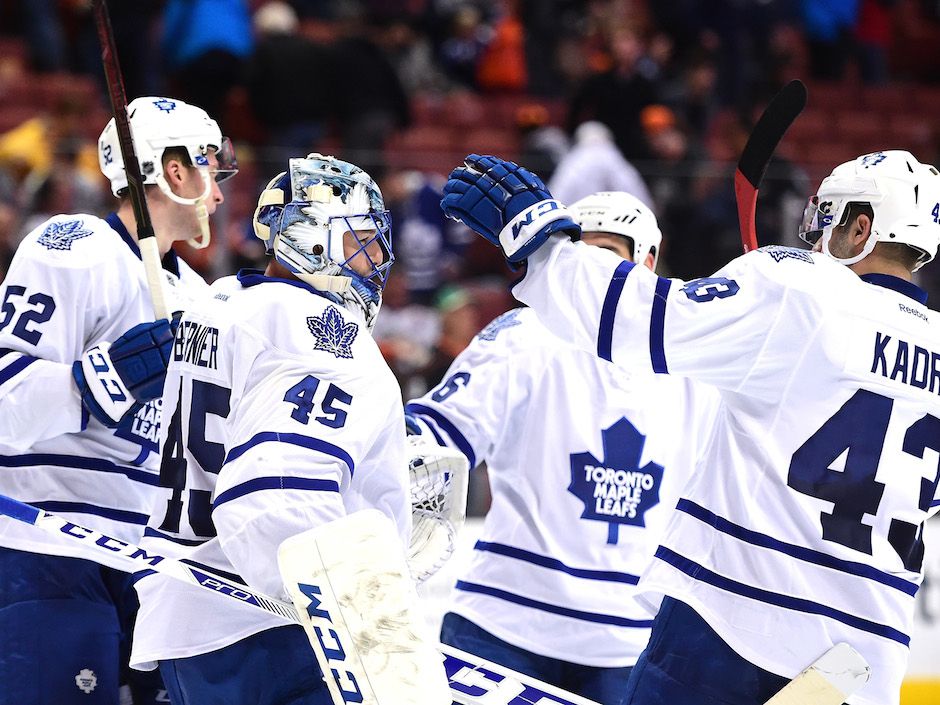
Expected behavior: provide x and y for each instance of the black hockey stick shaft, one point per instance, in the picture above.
(135, 183)
(761, 145)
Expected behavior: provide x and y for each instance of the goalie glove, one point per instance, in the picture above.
(507, 204)
(116, 379)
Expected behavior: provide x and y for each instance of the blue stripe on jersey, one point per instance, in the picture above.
(76, 462)
(82, 508)
(293, 439)
(605, 329)
(15, 367)
(802, 553)
(274, 483)
(658, 326)
(153, 533)
(554, 609)
(555, 564)
(797, 604)
(463, 445)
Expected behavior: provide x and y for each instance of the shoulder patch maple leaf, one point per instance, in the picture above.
(506, 320)
(332, 334)
(60, 236)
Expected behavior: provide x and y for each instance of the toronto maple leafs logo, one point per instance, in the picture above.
(86, 680)
(615, 488)
(60, 236)
(507, 320)
(779, 253)
(332, 333)
(165, 104)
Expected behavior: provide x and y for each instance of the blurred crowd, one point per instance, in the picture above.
(653, 98)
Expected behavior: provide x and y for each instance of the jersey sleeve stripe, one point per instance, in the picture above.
(554, 609)
(83, 508)
(293, 439)
(15, 367)
(258, 484)
(605, 329)
(76, 462)
(658, 326)
(554, 564)
(799, 552)
(463, 445)
(797, 604)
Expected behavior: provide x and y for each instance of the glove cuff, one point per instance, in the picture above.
(102, 390)
(525, 233)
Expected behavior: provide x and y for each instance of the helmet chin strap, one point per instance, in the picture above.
(866, 250)
(201, 241)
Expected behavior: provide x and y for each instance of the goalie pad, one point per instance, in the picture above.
(356, 601)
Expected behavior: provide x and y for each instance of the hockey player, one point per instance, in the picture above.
(580, 494)
(282, 415)
(72, 437)
(806, 529)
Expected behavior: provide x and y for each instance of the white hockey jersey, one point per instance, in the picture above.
(75, 281)
(586, 461)
(281, 415)
(802, 527)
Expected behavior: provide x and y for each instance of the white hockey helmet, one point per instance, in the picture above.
(620, 213)
(303, 215)
(159, 123)
(903, 194)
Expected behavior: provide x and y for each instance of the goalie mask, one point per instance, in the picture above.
(619, 213)
(903, 194)
(159, 123)
(325, 221)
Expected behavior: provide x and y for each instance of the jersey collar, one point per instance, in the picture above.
(169, 263)
(253, 277)
(902, 286)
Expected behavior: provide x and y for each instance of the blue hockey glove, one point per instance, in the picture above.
(507, 204)
(115, 379)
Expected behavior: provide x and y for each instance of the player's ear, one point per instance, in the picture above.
(861, 229)
(174, 171)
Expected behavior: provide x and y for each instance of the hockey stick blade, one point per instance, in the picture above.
(149, 251)
(831, 679)
(472, 680)
(761, 145)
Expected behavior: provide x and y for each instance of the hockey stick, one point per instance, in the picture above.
(829, 680)
(149, 250)
(766, 135)
(472, 680)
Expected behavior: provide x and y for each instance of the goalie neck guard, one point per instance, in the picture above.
(322, 220)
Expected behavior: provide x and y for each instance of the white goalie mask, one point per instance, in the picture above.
(160, 123)
(303, 217)
(903, 194)
(620, 213)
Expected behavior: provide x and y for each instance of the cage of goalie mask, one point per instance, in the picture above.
(304, 214)
(620, 213)
(904, 196)
(157, 124)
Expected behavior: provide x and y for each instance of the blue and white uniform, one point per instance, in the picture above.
(281, 415)
(74, 282)
(802, 527)
(586, 461)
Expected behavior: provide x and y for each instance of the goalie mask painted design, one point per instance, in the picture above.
(304, 215)
(903, 193)
(157, 124)
(620, 213)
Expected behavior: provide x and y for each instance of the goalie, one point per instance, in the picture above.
(280, 415)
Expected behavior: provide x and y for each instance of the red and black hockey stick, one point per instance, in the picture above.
(150, 252)
(769, 130)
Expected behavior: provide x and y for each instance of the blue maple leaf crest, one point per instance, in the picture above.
(507, 320)
(165, 104)
(60, 236)
(779, 253)
(332, 334)
(615, 488)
